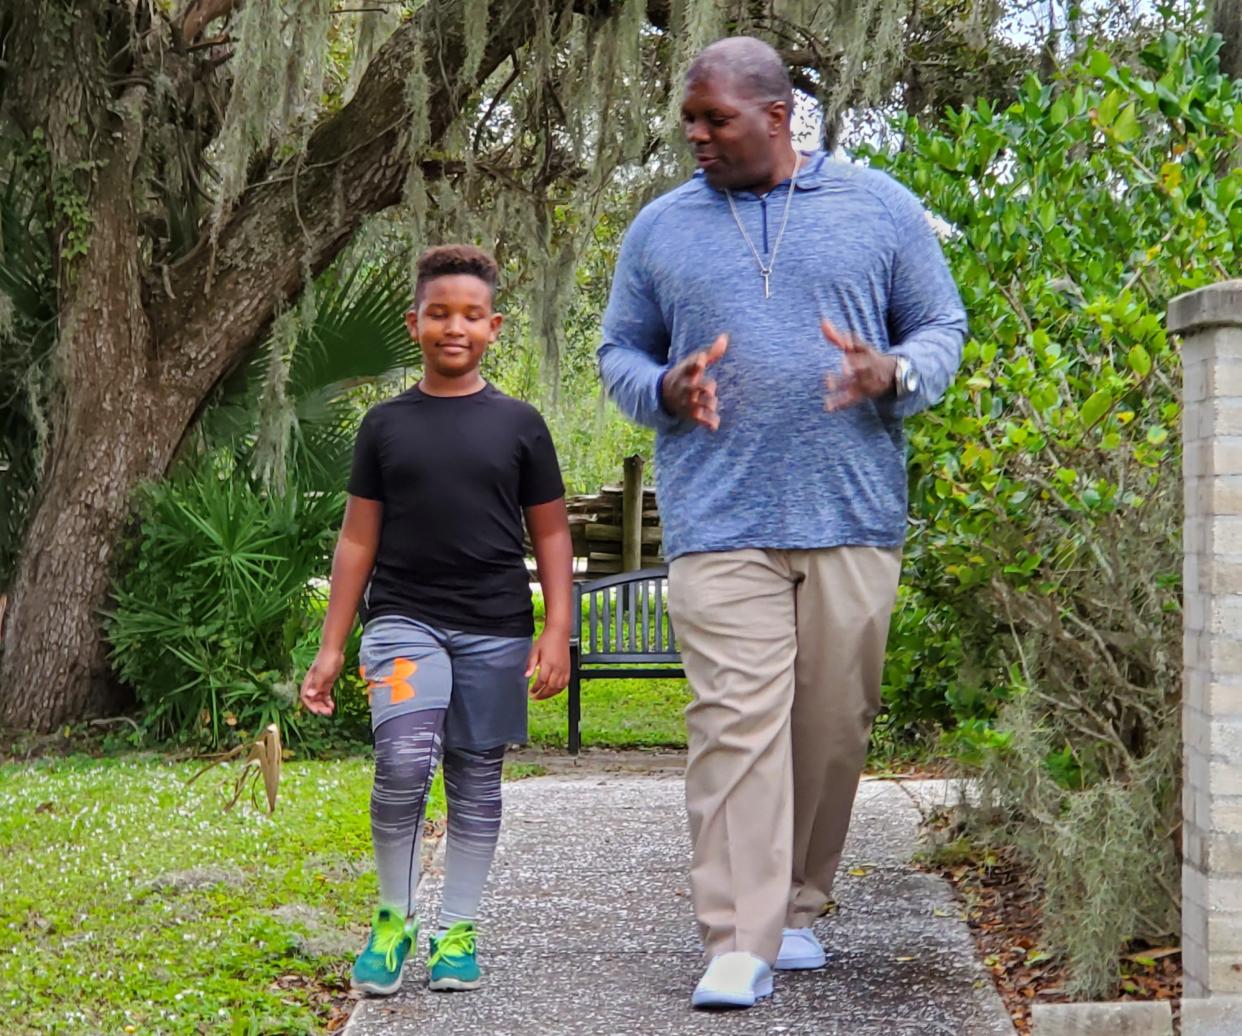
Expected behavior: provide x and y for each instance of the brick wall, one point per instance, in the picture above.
(1210, 321)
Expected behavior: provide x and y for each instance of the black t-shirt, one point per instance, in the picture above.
(453, 474)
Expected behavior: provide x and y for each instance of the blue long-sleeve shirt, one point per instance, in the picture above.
(781, 471)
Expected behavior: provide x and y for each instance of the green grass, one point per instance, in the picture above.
(90, 942)
(617, 714)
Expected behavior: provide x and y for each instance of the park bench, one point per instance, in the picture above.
(621, 631)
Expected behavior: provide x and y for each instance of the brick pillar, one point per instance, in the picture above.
(1210, 321)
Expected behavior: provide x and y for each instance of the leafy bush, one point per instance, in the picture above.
(1046, 491)
(213, 613)
(931, 683)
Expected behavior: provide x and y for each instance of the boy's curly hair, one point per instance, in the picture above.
(446, 260)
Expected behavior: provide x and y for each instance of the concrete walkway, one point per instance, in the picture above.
(587, 928)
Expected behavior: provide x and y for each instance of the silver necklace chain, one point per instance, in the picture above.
(766, 271)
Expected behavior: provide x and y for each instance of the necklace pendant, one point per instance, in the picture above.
(767, 289)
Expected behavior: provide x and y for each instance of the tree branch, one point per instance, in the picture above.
(202, 13)
(356, 163)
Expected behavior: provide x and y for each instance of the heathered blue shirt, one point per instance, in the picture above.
(781, 471)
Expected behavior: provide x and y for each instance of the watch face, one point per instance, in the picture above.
(907, 377)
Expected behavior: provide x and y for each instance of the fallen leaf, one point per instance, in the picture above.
(1153, 955)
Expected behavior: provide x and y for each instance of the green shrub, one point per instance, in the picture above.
(1046, 490)
(214, 612)
(931, 682)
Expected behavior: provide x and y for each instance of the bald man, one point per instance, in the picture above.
(774, 319)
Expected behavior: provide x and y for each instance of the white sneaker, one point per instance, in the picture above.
(733, 980)
(800, 950)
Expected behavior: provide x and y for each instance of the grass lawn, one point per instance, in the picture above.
(132, 903)
(617, 714)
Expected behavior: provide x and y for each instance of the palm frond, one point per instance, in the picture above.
(358, 333)
(357, 337)
(25, 254)
(27, 336)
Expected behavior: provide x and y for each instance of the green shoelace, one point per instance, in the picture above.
(458, 941)
(386, 942)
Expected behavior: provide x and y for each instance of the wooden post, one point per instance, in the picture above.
(632, 515)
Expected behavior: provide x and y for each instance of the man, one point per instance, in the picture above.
(775, 318)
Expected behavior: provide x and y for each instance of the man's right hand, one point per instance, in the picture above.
(688, 393)
(317, 687)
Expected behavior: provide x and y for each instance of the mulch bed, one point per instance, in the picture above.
(1004, 910)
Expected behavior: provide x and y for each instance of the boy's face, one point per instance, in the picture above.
(454, 323)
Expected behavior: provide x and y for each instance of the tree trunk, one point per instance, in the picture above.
(1227, 20)
(114, 428)
(55, 667)
(140, 351)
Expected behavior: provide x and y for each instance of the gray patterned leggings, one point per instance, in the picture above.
(407, 751)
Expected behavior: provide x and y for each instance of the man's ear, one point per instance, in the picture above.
(411, 322)
(497, 320)
(778, 117)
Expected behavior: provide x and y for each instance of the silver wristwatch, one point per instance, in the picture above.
(905, 378)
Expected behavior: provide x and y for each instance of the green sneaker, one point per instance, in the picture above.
(452, 962)
(378, 967)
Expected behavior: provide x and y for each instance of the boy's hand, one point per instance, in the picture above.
(687, 392)
(317, 687)
(550, 656)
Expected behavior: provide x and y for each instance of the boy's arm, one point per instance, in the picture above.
(554, 558)
(352, 563)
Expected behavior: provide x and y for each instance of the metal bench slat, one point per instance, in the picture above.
(622, 673)
(616, 639)
(646, 616)
(592, 623)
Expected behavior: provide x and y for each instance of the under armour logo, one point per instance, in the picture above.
(398, 682)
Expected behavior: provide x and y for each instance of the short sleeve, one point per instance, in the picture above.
(366, 478)
(541, 472)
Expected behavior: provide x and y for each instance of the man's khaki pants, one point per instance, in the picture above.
(784, 650)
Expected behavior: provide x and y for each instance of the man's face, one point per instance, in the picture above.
(734, 138)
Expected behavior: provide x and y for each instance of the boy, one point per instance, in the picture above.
(431, 546)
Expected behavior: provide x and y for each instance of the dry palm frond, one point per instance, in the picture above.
(260, 757)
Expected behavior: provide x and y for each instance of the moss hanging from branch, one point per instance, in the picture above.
(474, 29)
(528, 163)
(276, 407)
(277, 72)
(372, 28)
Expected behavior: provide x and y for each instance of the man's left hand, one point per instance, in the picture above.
(866, 373)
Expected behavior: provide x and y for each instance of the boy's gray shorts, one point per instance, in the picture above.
(481, 680)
